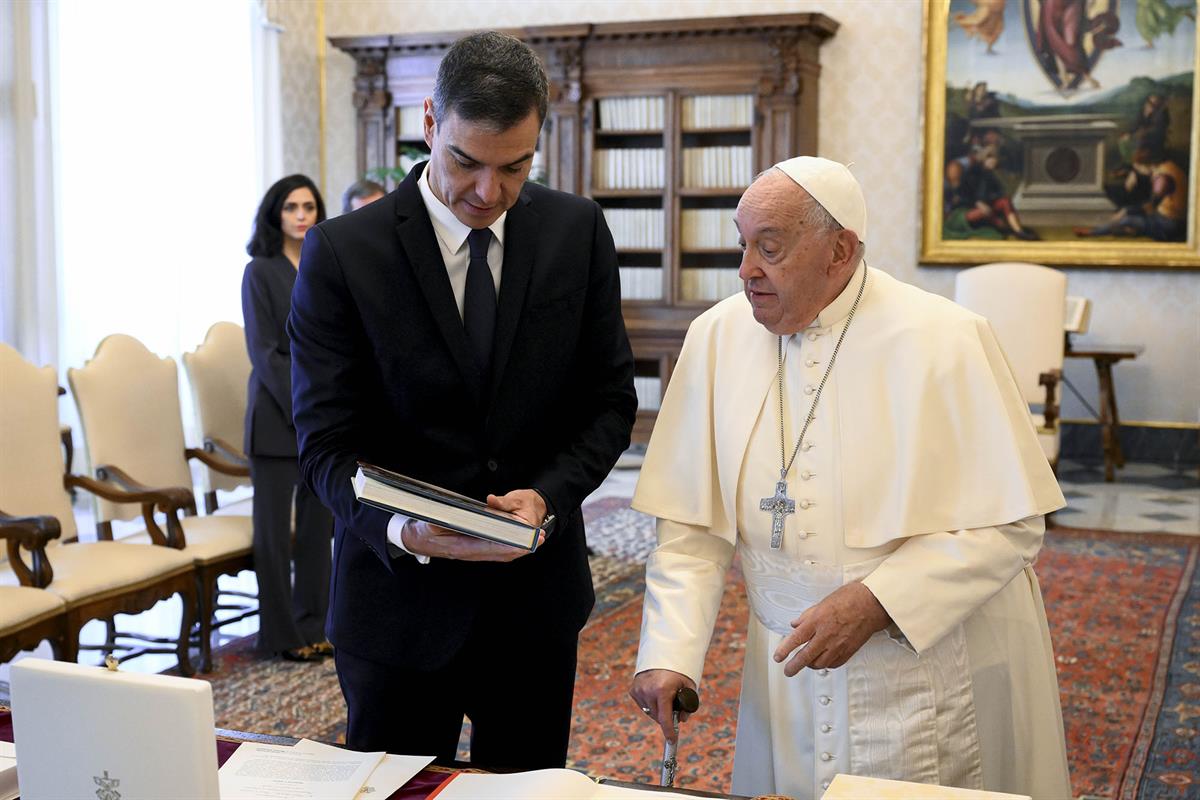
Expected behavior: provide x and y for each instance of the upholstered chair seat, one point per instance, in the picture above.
(27, 616)
(210, 539)
(99, 570)
(22, 605)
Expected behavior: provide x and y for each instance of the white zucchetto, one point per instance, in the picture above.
(831, 185)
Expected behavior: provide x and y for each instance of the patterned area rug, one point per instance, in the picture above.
(1124, 615)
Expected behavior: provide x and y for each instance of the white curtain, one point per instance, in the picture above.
(156, 148)
(28, 281)
(268, 114)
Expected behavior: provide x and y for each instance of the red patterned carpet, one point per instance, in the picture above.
(1124, 615)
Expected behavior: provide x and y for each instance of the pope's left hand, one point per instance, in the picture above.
(525, 503)
(833, 630)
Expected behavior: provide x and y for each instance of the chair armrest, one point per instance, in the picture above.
(116, 485)
(1050, 379)
(32, 533)
(221, 456)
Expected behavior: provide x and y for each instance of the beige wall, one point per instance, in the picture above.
(870, 115)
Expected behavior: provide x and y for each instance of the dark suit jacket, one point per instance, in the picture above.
(266, 298)
(382, 371)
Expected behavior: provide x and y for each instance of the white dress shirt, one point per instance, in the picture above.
(451, 235)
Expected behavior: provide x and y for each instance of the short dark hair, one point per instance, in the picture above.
(358, 190)
(492, 78)
(267, 239)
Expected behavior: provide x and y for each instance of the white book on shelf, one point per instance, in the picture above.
(411, 122)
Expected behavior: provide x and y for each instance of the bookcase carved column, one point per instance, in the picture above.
(563, 125)
(373, 102)
(785, 104)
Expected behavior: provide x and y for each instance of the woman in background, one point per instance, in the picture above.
(291, 620)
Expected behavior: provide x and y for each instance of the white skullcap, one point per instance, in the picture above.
(831, 185)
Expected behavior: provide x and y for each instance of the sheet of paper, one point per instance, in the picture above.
(275, 771)
(854, 787)
(542, 784)
(392, 773)
(8, 771)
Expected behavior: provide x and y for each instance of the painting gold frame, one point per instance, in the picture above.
(936, 250)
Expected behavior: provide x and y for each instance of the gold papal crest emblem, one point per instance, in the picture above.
(108, 787)
(1068, 37)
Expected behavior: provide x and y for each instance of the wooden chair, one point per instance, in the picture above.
(218, 372)
(128, 400)
(93, 580)
(1025, 304)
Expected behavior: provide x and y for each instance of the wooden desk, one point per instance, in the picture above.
(1104, 356)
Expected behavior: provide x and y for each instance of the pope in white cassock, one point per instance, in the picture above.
(862, 446)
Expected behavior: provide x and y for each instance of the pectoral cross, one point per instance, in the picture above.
(779, 505)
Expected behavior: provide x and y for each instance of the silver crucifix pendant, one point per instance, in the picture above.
(779, 505)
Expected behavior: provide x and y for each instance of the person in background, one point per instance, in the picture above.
(361, 193)
(291, 617)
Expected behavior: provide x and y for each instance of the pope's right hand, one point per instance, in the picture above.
(425, 539)
(654, 689)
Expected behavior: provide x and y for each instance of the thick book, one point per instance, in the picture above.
(401, 494)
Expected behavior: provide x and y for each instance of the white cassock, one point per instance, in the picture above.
(922, 476)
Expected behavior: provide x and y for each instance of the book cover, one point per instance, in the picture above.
(401, 494)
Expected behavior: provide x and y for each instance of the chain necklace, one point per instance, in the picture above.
(780, 504)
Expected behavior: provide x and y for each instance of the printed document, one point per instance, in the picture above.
(392, 773)
(277, 771)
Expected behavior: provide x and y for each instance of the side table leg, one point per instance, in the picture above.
(1118, 453)
(1108, 405)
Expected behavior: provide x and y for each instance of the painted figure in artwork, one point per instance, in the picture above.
(1158, 17)
(985, 23)
(1149, 128)
(1060, 39)
(1163, 217)
(977, 206)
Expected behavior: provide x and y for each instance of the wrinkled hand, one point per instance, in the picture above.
(833, 630)
(655, 689)
(525, 503)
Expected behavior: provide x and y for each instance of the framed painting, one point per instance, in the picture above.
(1061, 132)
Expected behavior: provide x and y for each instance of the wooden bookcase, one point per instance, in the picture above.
(654, 93)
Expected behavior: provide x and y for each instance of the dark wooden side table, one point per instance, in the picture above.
(1104, 356)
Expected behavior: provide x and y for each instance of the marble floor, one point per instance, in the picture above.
(1144, 498)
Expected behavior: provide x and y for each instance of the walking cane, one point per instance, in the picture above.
(687, 700)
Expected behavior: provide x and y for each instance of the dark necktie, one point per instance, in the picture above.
(479, 301)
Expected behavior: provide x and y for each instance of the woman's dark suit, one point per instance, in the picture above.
(289, 617)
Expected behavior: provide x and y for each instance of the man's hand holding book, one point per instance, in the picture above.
(426, 539)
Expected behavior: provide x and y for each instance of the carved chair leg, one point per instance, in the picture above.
(188, 602)
(210, 501)
(110, 634)
(206, 590)
(57, 647)
(69, 651)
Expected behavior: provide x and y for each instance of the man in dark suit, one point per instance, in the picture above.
(465, 330)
